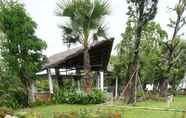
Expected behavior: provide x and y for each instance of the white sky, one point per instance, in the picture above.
(42, 12)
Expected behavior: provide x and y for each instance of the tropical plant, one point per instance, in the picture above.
(85, 25)
(21, 49)
(72, 96)
(11, 90)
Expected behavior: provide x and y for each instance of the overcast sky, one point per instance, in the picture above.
(42, 12)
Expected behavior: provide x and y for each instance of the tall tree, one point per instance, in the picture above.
(152, 40)
(85, 25)
(21, 49)
(143, 11)
(174, 47)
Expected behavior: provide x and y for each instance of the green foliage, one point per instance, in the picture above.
(150, 52)
(42, 84)
(13, 99)
(159, 57)
(150, 56)
(175, 48)
(11, 90)
(152, 48)
(72, 96)
(85, 19)
(84, 26)
(143, 10)
(21, 50)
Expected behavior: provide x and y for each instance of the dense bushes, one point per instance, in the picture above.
(12, 94)
(13, 100)
(72, 96)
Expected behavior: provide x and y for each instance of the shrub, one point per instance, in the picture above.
(13, 99)
(72, 96)
(12, 93)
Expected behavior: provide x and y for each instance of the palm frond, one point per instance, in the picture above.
(101, 8)
(69, 36)
(101, 32)
(84, 15)
(65, 8)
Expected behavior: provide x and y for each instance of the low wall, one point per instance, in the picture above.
(43, 97)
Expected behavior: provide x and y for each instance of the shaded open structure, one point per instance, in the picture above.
(72, 60)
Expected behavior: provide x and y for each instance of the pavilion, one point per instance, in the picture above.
(72, 60)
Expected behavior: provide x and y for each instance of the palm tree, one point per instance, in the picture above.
(85, 25)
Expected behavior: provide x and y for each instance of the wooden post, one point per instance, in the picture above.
(58, 78)
(102, 80)
(73, 82)
(79, 85)
(116, 88)
(33, 91)
(50, 81)
(98, 80)
(78, 73)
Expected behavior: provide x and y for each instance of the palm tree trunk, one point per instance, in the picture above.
(87, 69)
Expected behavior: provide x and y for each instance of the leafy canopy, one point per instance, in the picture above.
(85, 16)
(21, 49)
(150, 52)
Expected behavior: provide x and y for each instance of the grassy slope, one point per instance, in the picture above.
(180, 103)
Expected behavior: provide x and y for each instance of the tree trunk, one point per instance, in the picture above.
(31, 97)
(170, 55)
(163, 87)
(133, 85)
(135, 62)
(87, 69)
(27, 83)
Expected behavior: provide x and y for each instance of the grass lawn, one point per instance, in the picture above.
(179, 103)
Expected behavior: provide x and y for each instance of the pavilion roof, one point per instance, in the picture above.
(73, 58)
